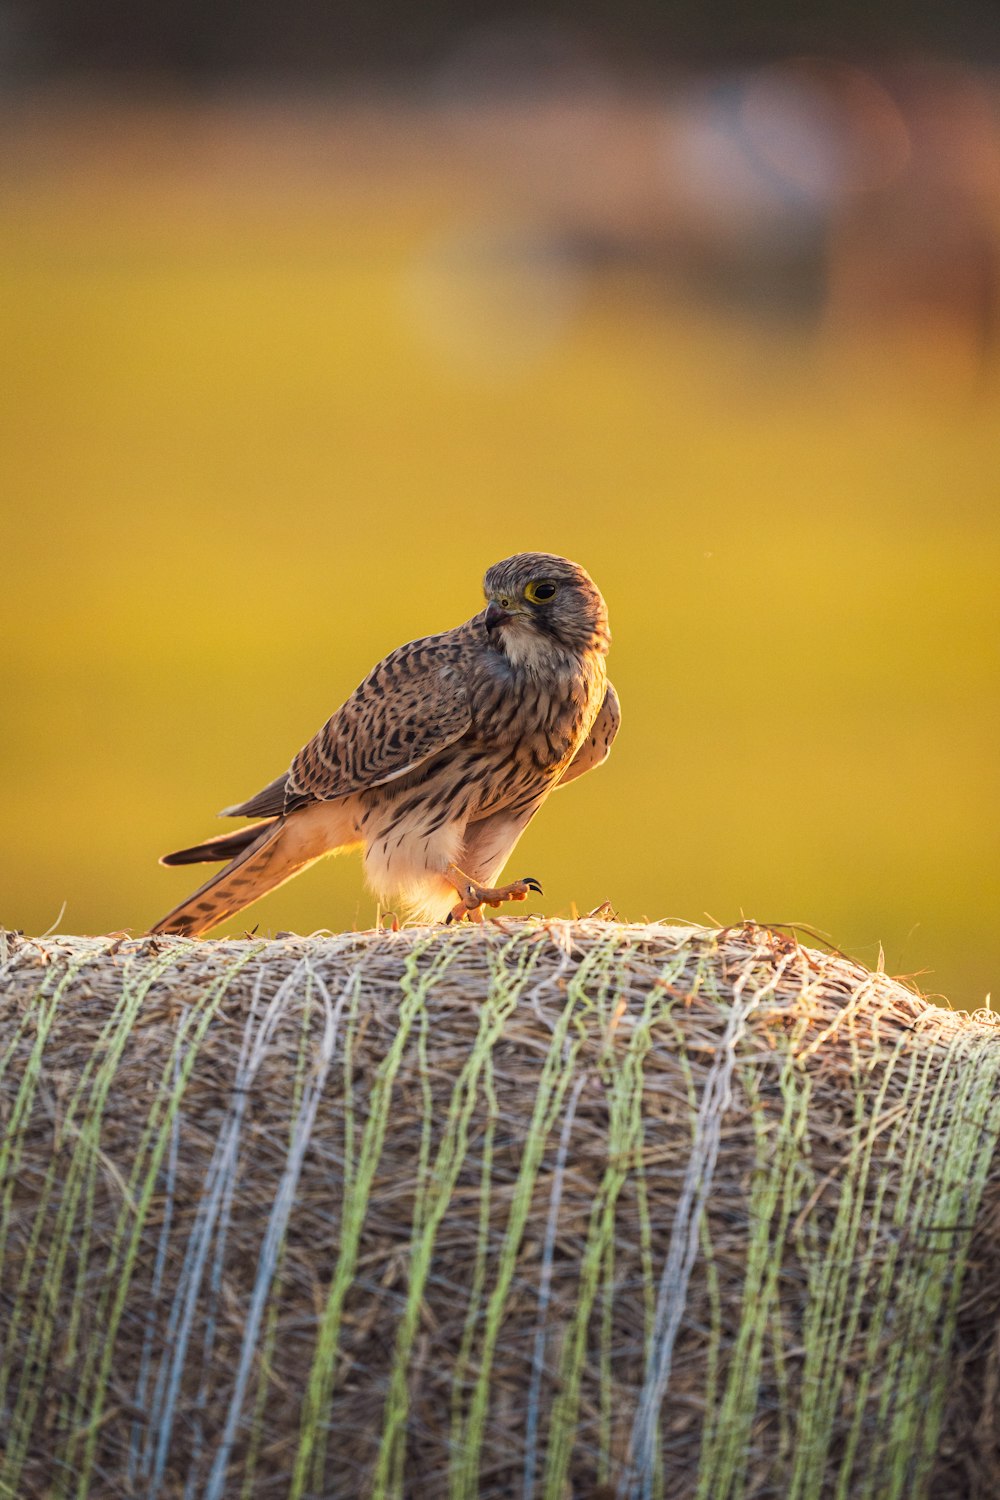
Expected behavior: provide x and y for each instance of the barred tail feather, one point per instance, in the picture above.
(277, 850)
(223, 846)
(260, 868)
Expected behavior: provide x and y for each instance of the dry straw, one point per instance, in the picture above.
(523, 1210)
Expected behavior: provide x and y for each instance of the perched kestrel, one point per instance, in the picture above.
(437, 763)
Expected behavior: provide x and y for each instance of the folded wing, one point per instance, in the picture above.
(409, 708)
(597, 746)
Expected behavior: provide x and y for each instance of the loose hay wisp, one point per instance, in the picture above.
(498, 1212)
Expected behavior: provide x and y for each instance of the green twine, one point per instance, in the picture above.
(70, 1230)
(728, 1426)
(976, 1121)
(310, 1457)
(428, 1214)
(948, 1166)
(625, 1089)
(474, 1311)
(124, 1246)
(52, 1241)
(267, 1344)
(554, 1079)
(12, 1140)
(879, 1303)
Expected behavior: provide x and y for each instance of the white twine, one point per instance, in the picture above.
(637, 1482)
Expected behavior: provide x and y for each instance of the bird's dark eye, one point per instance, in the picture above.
(540, 592)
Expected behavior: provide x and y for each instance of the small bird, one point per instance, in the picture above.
(437, 763)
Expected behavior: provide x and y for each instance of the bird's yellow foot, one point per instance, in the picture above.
(475, 897)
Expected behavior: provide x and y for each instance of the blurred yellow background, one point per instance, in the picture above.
(281, 379)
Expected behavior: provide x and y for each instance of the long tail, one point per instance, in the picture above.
(223, 846)
(268, 854)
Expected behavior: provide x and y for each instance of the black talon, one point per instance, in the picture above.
(449, 919)
(533, 884)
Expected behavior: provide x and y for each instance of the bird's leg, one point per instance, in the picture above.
(475, 896)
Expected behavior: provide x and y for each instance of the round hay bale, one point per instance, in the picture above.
(561, 1209)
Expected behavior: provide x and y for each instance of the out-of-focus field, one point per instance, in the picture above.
(262, 421)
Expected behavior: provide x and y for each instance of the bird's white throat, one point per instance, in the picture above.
(529, 650)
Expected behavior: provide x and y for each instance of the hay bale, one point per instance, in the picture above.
(544, 1210)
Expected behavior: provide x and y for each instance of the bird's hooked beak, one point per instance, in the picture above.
(496, 616)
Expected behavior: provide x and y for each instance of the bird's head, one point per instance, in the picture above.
(536, 600)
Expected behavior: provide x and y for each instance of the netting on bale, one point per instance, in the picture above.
(524, 1210)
